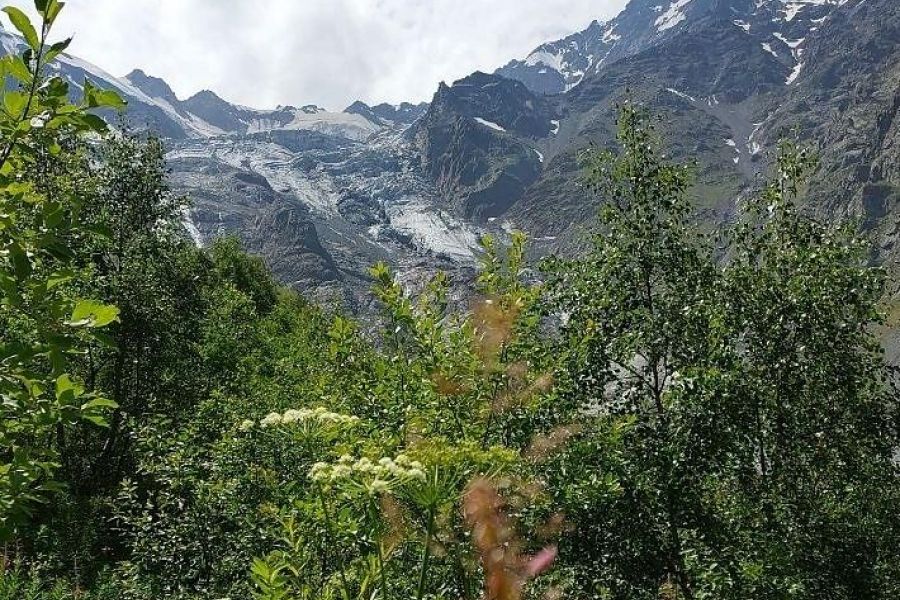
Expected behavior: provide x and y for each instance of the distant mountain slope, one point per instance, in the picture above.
(321, 195)
(153, 104)
(777, 25)
(729, 78)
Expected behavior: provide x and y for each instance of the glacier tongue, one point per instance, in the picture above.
(353, 203)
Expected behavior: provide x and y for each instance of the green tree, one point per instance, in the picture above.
(42, 323)
(741, 437)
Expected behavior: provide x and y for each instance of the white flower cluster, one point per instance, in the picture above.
(319, 415)
(371, 476)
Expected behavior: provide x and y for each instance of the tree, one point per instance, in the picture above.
(42, 323)
(736, 401)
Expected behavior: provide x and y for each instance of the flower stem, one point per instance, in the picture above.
(426, 554)
(337, 554)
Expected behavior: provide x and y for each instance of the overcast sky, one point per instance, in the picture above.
(263, 53)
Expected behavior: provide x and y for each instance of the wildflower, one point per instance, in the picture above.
(507, 569)
(418, 474)
(540, 562)
(271, 420)
(378, 486)
(246, 425)
(289, 417)
(340, 472)
(364, 465)
(320, 472)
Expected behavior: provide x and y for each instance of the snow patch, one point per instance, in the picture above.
(542, 57)
(794, 74)
(681, 94)
(743, 25)
(790, 43)
(793, 7)
(611, 36)
(490, 124)
(732, 144)
(555, 129)
(671, 17)
(768, 48)
(753, 146)
(348, 125)
(539, 155)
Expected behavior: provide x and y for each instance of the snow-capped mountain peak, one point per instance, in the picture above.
(556, 67)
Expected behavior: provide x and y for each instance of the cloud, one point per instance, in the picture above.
(327, 52)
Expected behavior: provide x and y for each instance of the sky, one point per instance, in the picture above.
(264, 53)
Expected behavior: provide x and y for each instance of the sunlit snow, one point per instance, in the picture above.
(673, 16)
(794, 74)
(681, 94)
(490, 124)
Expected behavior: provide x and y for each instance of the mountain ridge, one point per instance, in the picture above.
(321, 195)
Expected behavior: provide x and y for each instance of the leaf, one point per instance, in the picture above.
(95, 419)
(104, 340)
(9, 288)
(57, 49)
(56, 91)
(21, 262)
(104, 231)
(109, 98)
(99, 403)
(93, 314)
(23, 24)
(56, 248)
(15, 103)
(93, 123)
(53, 9)
(60, 277)
(66, 389)
(17, 68)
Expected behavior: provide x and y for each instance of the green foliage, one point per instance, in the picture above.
(43, 322)
(247, 273)
(461, 402)
(742, 405)
(687, 417)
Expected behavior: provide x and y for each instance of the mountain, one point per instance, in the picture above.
(779, 26)
(476, 143)
(389, 114)
(729, 79)
(322, 195)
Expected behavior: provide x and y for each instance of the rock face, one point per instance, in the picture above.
(476, 143)
(389, 114)
(322, 195)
